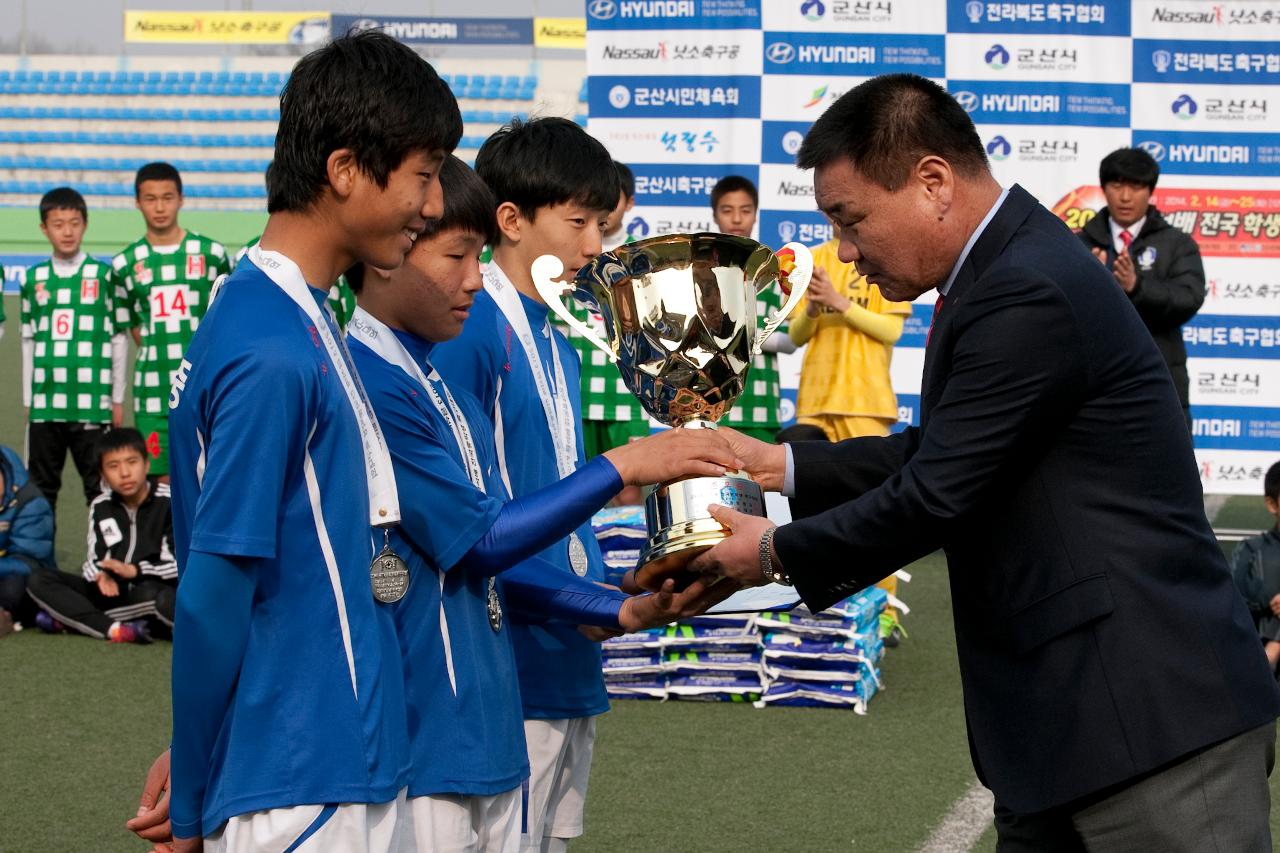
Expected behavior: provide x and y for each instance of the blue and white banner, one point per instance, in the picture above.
(687, 91)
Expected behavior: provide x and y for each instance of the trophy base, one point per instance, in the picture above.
(680, 527)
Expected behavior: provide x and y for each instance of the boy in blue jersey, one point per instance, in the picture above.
(555, 187)
(288, 693)
(465, 543)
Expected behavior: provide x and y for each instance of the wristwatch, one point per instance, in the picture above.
(776, 575)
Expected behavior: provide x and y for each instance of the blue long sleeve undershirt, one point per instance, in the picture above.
(538, 591)
(530, 524)
(214, 605)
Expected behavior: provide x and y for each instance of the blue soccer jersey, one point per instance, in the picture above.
(465, 724)
(559, 668)
(268, 470)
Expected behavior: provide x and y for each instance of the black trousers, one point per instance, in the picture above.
(78, 604)
(47, 446)
(1216, 799)
(13, 597)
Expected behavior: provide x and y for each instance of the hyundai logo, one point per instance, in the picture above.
(1155, 149)
(602, 9)
(361, 24)
(967, 100)
(780, 52)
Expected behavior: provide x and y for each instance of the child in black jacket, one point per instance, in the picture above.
(129, 574)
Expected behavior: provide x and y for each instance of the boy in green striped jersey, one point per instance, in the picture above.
(163, 283)
(73, 355)
(735, 201)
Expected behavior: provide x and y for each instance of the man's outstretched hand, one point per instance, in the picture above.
(737, 557)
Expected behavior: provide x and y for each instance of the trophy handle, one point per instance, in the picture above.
(545, 270)
(799, 280)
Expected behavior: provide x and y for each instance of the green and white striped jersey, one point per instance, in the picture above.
(164, 295)
(70, 322)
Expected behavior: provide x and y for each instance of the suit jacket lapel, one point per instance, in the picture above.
(1015, 210)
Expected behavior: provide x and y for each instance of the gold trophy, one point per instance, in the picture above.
(679, 311)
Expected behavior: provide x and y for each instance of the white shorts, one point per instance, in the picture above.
(559, 767)
(451, 823)
(346, 827)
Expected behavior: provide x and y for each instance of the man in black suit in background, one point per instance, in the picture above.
(1116, 695)
(1156, 264)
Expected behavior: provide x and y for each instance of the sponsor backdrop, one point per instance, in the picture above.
(313, 28)
(686, 91)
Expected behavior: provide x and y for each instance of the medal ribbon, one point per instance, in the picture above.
(374, 334)
(384, 502)
(556, 406)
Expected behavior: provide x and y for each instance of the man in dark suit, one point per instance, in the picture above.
(1156, 264)
(1116, 695)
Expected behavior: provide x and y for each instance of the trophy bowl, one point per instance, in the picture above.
(679, 311)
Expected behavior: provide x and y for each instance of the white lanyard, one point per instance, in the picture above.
(374, 334)
(555, 406)
(384, 503)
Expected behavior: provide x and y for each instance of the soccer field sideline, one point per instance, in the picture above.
(82, 720)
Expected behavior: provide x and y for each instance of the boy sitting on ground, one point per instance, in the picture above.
(129, 574)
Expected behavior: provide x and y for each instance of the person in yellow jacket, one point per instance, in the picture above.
(848, 329)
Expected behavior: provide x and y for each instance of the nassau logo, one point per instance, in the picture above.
(780, 53)
(817, 96)
(813, 10)
(602, 9)
(1184, 107)
(998, 148)
(968, 101)
(997, 57)
(1155, 149)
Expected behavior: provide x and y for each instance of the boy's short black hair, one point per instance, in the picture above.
(364, 91)
(468, 206)
(156, 172)
(545, 161)
(887, 124)
(627, 178)
(732, 184)
(63, 198)
(1271, 483)
(122, 438)
(1129, 166)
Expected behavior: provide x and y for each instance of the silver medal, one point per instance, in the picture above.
(388, 574)
(577, 556)
(495, 607)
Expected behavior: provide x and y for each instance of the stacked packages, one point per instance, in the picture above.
(795, 658)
